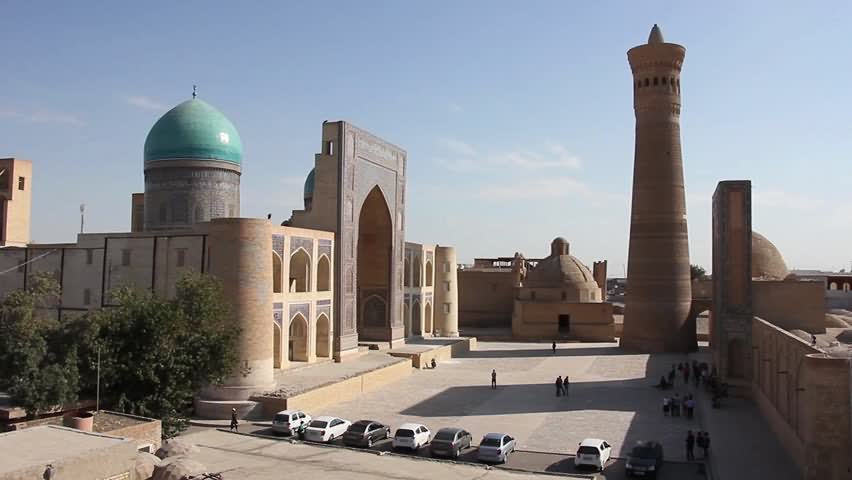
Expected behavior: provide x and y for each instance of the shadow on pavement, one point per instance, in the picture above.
(545, 352)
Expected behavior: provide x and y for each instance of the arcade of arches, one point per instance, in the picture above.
(303, 291)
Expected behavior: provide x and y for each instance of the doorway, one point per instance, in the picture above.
(564, 325)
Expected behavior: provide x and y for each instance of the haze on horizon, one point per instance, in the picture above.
(518, 122)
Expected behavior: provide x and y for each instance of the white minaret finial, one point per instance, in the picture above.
(194, 91)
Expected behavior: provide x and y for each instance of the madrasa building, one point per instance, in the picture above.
(334, 278)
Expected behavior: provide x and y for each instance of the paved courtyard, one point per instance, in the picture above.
(609, 397)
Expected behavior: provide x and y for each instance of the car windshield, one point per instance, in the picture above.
(490, 442)
(319, 424)
(282, 418)
(588, 451)
(404, 432)
(643, 452)
(358, 427)
(447, 435)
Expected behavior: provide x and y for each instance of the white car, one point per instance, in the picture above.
(593, 452)
(411, 435)
(326, 429)
(289, 421)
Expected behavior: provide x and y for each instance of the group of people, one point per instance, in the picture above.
(675, 406)
(702, 439)
(562, 386)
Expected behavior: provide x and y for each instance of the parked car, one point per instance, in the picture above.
(289, 421)
(326, 429)
(448, 442)
(495, 447)
(411, 435)
(364, 433)
(593, 452)
(645, 459)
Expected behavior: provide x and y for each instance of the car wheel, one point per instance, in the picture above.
(456, 454)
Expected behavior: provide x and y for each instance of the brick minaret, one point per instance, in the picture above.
(658, 284)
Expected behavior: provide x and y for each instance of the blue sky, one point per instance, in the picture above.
(517, 116)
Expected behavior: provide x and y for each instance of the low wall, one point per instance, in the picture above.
(343, 390)
(148, 433)
(421, 360)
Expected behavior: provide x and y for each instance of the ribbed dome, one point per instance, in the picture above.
(766, 260)
(194, 130)
(561, 270)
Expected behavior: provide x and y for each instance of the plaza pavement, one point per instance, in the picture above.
(611, 397)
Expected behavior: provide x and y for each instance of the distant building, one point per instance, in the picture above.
(556, 297)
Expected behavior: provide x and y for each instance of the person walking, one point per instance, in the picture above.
(690, 445)
(493, 379)
(667, 403)
(559, 385)
(565, 384)
(689, 403)
(553, 347)
(672, 375)
(686, 375)
(235, 425)
(705, 444)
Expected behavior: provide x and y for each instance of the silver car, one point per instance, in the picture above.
(495, 447)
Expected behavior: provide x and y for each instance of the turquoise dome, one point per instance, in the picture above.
(194, 129)
(309, 185)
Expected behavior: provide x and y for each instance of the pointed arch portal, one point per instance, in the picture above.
(375, 248)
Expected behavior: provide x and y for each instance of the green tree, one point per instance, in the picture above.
(38, 363)
(156, 354)
(697, 272)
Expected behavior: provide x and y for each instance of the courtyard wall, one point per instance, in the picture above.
(804, 395)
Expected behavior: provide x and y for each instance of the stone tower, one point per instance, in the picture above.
(16, 177)
(658, 283)
(446, 292)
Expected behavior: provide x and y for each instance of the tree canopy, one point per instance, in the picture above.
(697, 272)
(38, 369)
(155, 353)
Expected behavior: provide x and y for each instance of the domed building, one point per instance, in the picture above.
(193, 161)
(766, 261)
(309, 190)
(564, 276)
(560, 298)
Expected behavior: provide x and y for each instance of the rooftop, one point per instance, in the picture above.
(43, 445)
